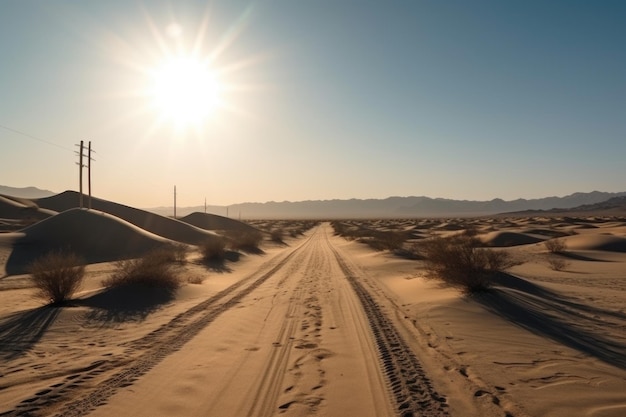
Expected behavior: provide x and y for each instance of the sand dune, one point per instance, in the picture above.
(94, 236)
(214, 222)
(505, 239)
(326, 326)
(20, 209)
(154, 223)
(600, 242)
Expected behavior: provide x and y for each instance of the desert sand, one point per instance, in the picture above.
(316, 326)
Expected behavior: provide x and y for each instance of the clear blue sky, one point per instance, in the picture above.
(320, 99)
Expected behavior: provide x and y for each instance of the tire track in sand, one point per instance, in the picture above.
(77, 390)
(410, 387)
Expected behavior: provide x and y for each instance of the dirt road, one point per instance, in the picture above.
(304, 335)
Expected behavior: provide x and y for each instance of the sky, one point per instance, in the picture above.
(314, 99)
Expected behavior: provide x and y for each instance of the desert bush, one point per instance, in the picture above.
(555, 245)
(195, 279)
(153, 270)
(57, 276)
(213, 250)
(387, 240)
(170, 253)
(460, 261)
(557, 264)
(248, 240)
(277, 235)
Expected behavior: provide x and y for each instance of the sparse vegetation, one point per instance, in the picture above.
(385, 240)
(156, 270)
(247, 241)
(460, 261)
(57, 276)
(557, 263)
(277, 235)
(195, 279)
(555, 245)
(213, 250)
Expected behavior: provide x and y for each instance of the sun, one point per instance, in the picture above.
(186, 91)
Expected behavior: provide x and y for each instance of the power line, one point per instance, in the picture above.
(35, 138)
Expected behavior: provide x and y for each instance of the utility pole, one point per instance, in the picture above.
(174, 201)
(81, 155)
(204, 205)
(80, 175)
(226, 211)
(89, 173)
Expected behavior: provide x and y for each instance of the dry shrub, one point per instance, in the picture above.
(386, 240)
(555, 245)
(174, 253)
(213, 250)
(461, 262)
(277, 235)
(248, 240)
(557, 264)
(153, 270)
(57, 275)
(195, 279)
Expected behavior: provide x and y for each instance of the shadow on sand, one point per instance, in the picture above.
(20, 331)
(124, 304)
(552, 315)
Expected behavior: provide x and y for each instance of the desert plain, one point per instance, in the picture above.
(313, 324)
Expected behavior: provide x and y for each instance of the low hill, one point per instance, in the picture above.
(25, 192)
(92, 235)
(18, 209)
(215, 222)
(154, 223)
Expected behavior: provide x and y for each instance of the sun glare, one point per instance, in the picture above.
(186, 91)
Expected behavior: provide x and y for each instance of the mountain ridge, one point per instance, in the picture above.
(394, 206)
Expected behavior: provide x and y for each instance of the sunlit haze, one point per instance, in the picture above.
(253, 101)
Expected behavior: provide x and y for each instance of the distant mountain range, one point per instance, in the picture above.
(26, 192)
(393, 207)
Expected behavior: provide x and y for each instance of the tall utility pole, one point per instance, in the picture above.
(89, 173)
(81, 155)
(174, 201)
(204, 205)
(80, 175)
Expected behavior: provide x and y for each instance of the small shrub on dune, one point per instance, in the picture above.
(153, 270)
(175, 253)
(277, 235)
(461, 262)
(555, 245)
(556, 263)
(57, 276)
(213, 250)
(248, 240)
(389, 240)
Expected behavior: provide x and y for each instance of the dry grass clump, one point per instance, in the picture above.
(461, 262)
(555, 245)
(557, 263)
(247, 241)
(277, 235)
(57, 275)
(195, 279)
(175, 253)
(154, 270)
(213, 250)
(378, 239)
